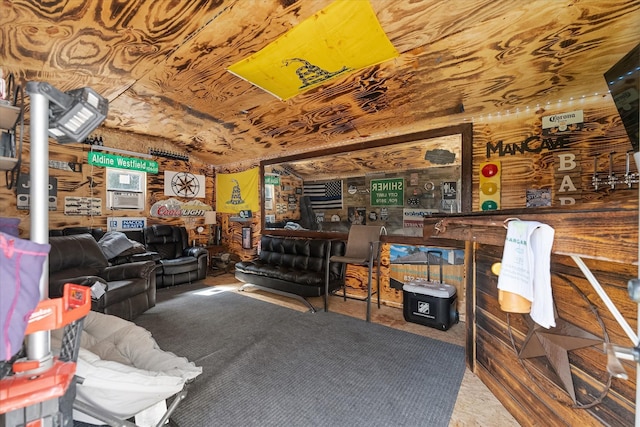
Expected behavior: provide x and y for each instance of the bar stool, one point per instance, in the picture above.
(363, 248)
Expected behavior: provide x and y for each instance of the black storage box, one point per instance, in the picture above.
(430, 303)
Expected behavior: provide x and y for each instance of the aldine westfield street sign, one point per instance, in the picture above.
(129, 163)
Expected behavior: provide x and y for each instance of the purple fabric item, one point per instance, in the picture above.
(21, 264)
(9, 225)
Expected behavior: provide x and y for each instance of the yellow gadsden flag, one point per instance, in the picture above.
(343, 37)
(237, 192)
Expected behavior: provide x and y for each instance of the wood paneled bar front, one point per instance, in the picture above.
(561, 385)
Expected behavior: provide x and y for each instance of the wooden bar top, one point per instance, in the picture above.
(610, 235)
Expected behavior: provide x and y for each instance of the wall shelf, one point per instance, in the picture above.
(7, 163)
(8, 115)
(239, 219)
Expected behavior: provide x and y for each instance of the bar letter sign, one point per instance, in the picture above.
(129, 163)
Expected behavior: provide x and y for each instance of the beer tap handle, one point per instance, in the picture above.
(612, 180)
(611, 163)
(626, 165)
(630, 178)
(595, 181)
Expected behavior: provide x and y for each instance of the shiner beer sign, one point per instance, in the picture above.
(387, 192)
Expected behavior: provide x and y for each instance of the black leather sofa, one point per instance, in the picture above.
(167, 245)
(130, 289)
(294, 267)
(137, 253)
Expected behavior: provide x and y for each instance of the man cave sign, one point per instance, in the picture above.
(566, 169)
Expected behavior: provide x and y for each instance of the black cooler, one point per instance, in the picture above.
(430, 303)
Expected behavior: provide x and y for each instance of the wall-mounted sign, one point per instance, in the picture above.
(23, 191)
(384, 214)
(440, 157)
(90, 206)
(184, 184)
(271, 180)
(572, 120)
(387, 192)
(173, 208)
(413, 220)
(112, 161)
(450, 197)
(567, 175)
(538, 197)
(195, 208)
(121, 223)
(531, 144)
(65, 166)
(414, 217)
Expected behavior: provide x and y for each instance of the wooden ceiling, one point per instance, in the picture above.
(163, 65)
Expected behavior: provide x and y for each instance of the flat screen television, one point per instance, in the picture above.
(623, 80)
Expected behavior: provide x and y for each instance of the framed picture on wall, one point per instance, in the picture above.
(246, 238)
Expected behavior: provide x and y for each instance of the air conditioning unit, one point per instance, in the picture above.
(117, 200)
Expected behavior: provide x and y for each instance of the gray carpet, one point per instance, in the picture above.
(266, 365)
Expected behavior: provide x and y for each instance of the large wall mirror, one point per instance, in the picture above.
(394, 182)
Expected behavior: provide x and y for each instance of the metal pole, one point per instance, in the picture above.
(605, 298)
(38, 344)
(636, 157)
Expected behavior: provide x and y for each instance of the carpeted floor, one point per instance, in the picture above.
(269, 365)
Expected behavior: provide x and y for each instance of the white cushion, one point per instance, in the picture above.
(123, 369)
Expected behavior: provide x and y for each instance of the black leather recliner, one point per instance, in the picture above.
(130, 289)
(179, 262)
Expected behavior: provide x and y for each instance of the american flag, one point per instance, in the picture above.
(324, 195)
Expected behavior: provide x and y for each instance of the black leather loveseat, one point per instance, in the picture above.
(295, 267)
(129, 289)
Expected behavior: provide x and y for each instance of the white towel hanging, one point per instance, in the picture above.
(526, 267)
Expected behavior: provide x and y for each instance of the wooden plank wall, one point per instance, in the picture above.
(528, 388)
(538, 167)
(76, 183)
